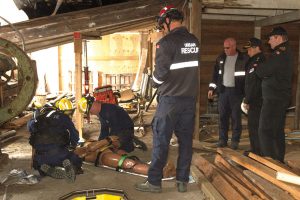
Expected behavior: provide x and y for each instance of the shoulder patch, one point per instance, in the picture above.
(282, 48)
(277, 52)
(157, 46)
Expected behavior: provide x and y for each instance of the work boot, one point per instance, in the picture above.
(147, 187)
(53, 172)
(70, 172)
(222, 144)
(234, 145)
(181, 186)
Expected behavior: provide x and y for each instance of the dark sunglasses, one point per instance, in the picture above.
(226, 47)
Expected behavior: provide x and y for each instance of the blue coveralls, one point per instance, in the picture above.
(116, 121)
(176, 76)
(54, 153)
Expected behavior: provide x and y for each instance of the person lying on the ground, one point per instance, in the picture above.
(107, 152)
(52, 135)
(114, 121)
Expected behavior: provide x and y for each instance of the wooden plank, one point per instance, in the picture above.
(63, 25)
(273, 191)
(238, 173)
(288, 178)
(235, 182)
(260, 170)
(279, 19)
(209, 190)
(293, 161)
(220, 183)
(271, 163)
(18, 123)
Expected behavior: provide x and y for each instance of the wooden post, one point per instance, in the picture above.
(257, 32)
(78, 80)
(297, 111)
(196, 13)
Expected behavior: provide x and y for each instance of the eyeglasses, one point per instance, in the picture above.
(226, 47)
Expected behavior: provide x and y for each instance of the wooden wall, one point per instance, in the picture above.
(213, 34)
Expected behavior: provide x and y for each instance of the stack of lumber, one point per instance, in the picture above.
(232, 175)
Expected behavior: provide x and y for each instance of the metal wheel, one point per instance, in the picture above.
(18, 80)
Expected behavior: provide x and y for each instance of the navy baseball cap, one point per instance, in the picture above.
(278, 30)
(253, 42)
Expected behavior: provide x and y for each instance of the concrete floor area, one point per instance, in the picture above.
(93, 177)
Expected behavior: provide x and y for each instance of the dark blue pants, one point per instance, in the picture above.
(230, 106)
(55, 157)
(173, 114)
(271, 128)
(253, 123)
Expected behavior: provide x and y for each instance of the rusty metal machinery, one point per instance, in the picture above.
(18, 80)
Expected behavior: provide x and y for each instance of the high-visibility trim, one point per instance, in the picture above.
(156, 81)
(50, 113)
(184, 65)
(241, 73)
(220, 71)
(213, 85)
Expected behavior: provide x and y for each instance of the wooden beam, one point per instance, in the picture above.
(259, 4)
(279, 19)
(241, 177)
(297, 111)
(260, 170)
(221, 184)
(288, 178)
(78, 81)
(204, 184)
(63, 25)
(271, 163)
(272, 190)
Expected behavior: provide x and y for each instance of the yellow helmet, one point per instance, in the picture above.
(65, 105)
(85, 103)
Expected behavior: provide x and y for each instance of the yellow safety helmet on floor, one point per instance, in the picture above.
(85, 104)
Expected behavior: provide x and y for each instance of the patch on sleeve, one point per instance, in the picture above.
(157, 46)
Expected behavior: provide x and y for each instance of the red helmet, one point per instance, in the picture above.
(170, 12)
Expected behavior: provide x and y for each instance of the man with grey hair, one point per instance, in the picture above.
(228, 82)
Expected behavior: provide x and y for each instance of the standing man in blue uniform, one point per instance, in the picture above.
(276, 74)
(176, 77)
(253, 96)
(229, 82)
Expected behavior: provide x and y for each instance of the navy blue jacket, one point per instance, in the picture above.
(114, 120)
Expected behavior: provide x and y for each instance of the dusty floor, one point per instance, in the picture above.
(97, 177)
(93, 177)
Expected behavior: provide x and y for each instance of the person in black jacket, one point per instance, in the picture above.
(52, 136)
(229, 83)
(176, 76)
(276, 74)
(253, 97)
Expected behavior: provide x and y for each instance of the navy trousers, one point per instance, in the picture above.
(230, 106)
(253, 123)
(173, 114)
(271, 128)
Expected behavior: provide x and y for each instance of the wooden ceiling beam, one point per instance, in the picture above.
(279, 19)
(46, 30)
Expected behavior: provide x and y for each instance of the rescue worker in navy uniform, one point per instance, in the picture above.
(114, 121)
(253, 96)
(52, 134)
(176, 76)
(276, 74)
(229, 83)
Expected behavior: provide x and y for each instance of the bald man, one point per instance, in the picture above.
(228, 82)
